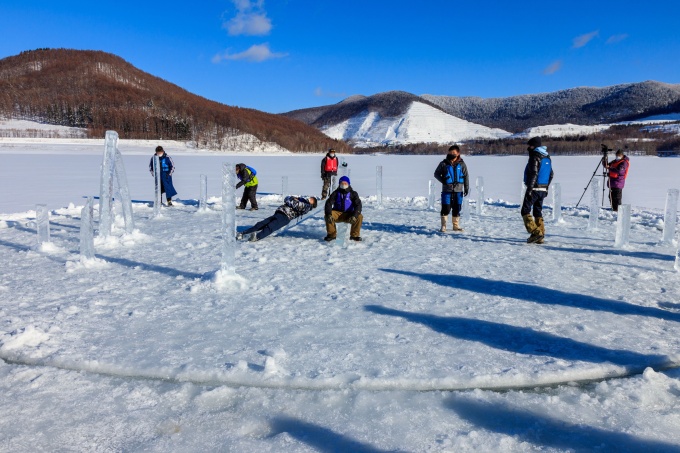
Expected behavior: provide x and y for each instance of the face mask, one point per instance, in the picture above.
(619, 157)
(332, 155)
(344, 186)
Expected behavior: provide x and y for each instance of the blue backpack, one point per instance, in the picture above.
(544, 172)
(252, 170)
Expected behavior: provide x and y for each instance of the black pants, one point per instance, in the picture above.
(265, 227)
(533, 201)
(249, 195)
(615, 197)
(451, 201)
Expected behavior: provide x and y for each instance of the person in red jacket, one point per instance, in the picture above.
(329, 168)
(618, 171)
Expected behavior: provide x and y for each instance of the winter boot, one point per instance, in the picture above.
(540, 224)
(532, 229)
(456, 224)
(443, 228)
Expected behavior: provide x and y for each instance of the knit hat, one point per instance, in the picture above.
(619, 152)
(344, 179)
(535, 142)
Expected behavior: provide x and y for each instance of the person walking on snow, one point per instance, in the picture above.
(453, 174)
(329, 168)
(537, 177)
(167, 168)
(618, 172)
(291, 208)
(343, 205)
(247, 178)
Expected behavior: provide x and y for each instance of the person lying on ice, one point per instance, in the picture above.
(291, 208)
(343, 205)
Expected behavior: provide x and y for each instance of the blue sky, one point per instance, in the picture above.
(280, 55)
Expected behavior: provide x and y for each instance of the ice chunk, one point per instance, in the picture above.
(124, 191)
(670, 217)
(342, 233)
(622, 226)
(157, 192)
(86, 231)
(42, 220)
(106, 183)
(228, 220)
(284, 187)
(480, 195)
(465, 210)
(203, 195)
(594, 217)
(379, 185)
(430, 195)
(557, 201)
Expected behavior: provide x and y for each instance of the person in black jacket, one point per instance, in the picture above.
(291, 208)
(329, 168)
(248, 179)
(538, 175)
(453, 174)
(343, 205)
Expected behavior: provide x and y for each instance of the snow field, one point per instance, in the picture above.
(141, 351)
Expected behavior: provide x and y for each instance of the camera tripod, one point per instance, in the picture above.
(605, 175)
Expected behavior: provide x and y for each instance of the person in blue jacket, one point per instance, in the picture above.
(167, 169)
(538, 175)
(453, 174)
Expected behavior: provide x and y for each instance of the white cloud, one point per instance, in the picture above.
(256, 53)
(582, 40)
(251, 19)
(552, 68)
(319, 92)
(617, 38)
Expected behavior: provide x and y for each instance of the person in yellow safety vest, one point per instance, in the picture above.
(247, 178)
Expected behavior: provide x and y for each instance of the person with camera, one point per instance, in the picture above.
(537, 177)
(453, 174)
(618, 172)
(343, 205)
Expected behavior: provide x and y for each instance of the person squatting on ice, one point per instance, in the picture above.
(291, 208)
(167, 168)
(343, 205)
(618, 172)
(329, 168)
(537, 177)
(247, 178)
(453, 174)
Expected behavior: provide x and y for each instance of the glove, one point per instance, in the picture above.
(329, 219)
(353, 220)
(465, 194)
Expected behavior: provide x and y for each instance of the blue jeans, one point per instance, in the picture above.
(265, 227)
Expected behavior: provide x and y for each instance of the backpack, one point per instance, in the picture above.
(252, 170)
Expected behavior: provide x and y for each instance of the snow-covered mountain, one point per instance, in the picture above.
(421, 123)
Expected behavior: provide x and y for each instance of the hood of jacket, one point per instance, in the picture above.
(542, 150)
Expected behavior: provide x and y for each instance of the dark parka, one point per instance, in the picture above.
(442, 170)
(534, 167)
(245, 176)
(354, 198)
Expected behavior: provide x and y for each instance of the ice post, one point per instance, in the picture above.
(480, 195)
(203, 196)
(622, 226)
(522, 192)
(157, 191)
(593, 218)
(670, 216)
(465, 210)
(124, 190)
(557, 202)
(106, 184)
(430, 195)
(284, 187)
(341, 234)
(42, 221)
(86, 231)
(677, 259)
(228, 220)
(378, 185)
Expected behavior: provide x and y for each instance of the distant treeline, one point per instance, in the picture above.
(633, 139)
(100, 91)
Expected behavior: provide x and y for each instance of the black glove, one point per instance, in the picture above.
(329, 218)
(353, 220)
(465, 194)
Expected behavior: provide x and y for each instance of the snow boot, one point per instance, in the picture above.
(355, 238)
(169, 202)
(456, 224)
(443, 228)
(532, 229)
(540, 224)
(329, 238)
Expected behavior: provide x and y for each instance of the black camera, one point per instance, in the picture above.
(605, 149)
